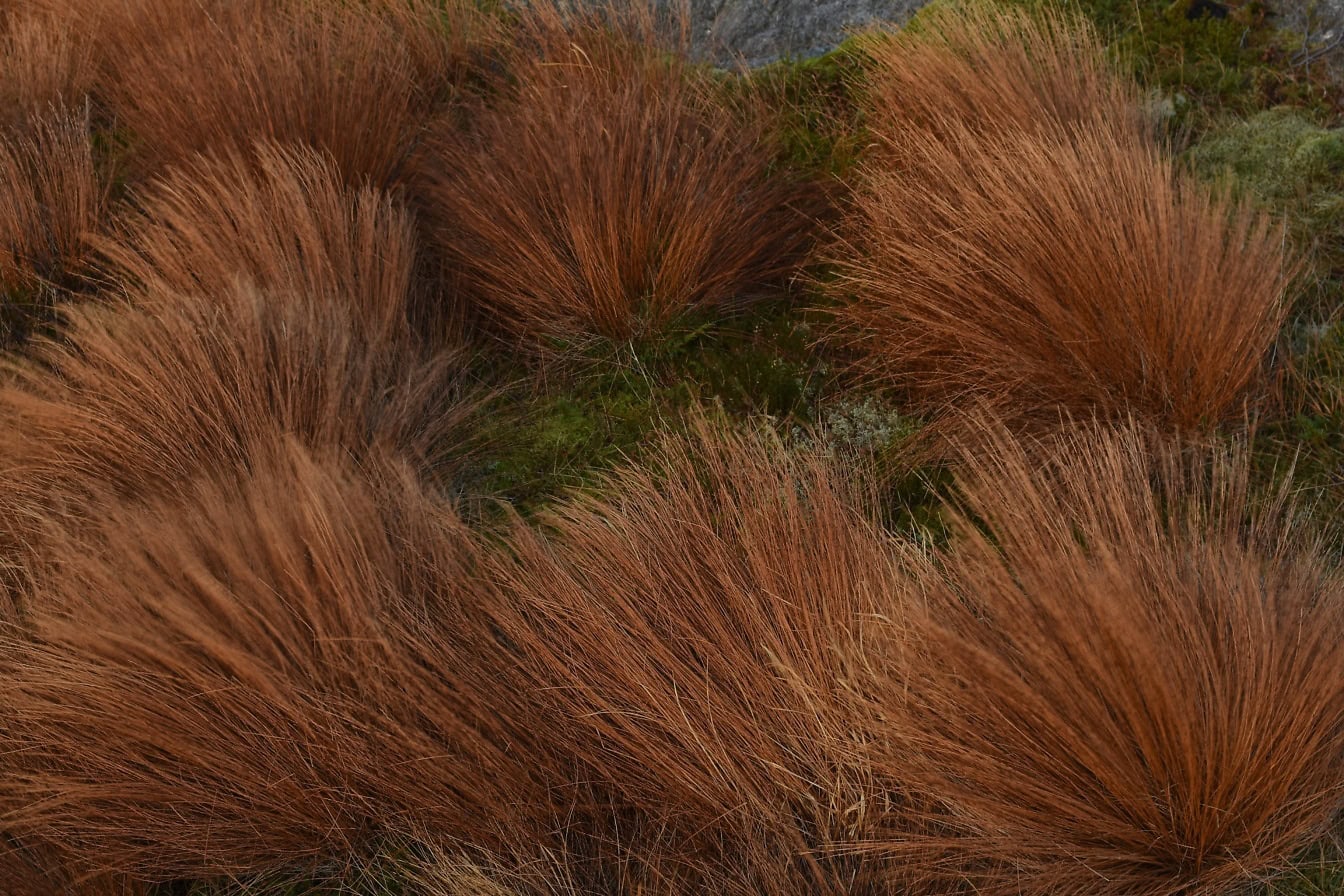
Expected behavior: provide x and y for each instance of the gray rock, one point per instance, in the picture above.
(730, 33)
(761, 31)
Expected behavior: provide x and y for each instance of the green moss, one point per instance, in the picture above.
(1283, 157)
(1294, 167)
(1221, 58)
(601, 406)
(1290, 165)
(819, 127)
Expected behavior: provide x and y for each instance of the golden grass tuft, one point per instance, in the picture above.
(1126, 678)
(1048, 273)
(282, 221)
(609, 192)
(226, 681)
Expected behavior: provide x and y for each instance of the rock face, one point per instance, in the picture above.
(755, 32)
(761, 31)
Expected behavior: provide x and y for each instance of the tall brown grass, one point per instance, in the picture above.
(133, 402)
(25, 871)
(355, 80)
(43, 64)
(219, 682)
(139, 398)
(609, 191)
(1046, 272)
(51, 199)
(997, 70)
(685, 631)
(282, 221)
(1119, 677)
(1126, 678)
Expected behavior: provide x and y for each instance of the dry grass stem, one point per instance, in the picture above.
(354, 80)
(51, 199)
(996, 70)
(134, 402)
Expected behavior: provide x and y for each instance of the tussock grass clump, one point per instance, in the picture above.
(1127, 677)
(1119, 677)
(51, 198)
(223, 682)
(996, 69)
(133, 402)
(355, 80)
(609, 192)
(1019, 236)
(140, 398)
(1047, 273)
(283, 221)
(683, 629)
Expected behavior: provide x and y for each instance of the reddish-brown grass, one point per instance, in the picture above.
(227, 680)
(609, 192)
(43, 64)
(136, 401)
(51, 198)
(282, 221)
(1020, 237)
(685, 630)
(355, 80)
(995, 69)
(1126, 678)
(633, 863)
(25, 871)
(1047, 272)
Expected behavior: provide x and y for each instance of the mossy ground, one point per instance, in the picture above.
(598, 404)
(1247, 114)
